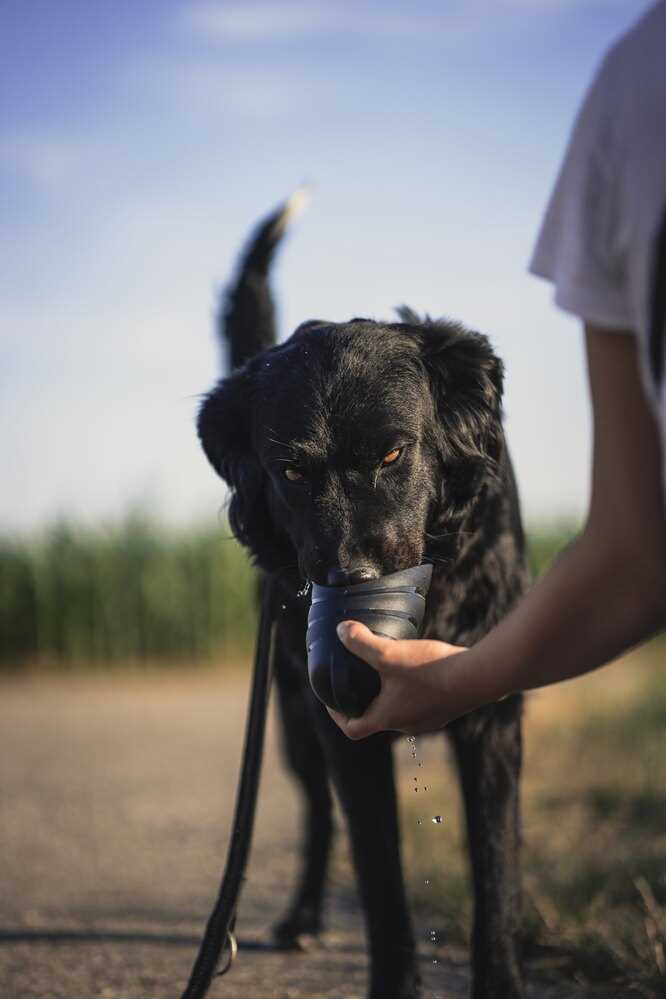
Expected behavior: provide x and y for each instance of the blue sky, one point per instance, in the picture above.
(141, 140)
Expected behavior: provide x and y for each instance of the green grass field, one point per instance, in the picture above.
(134, 591)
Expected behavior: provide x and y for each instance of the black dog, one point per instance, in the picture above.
(353, 450)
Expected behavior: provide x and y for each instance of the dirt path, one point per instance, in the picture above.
(117, 795)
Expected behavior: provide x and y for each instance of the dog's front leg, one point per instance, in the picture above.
(305, 756)
(488, 752)
(364, 779)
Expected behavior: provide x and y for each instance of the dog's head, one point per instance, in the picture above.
(354, 450)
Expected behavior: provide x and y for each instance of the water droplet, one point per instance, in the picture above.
(435, 961)
(419, 822)
(416, 788)
(437, 819)
(427, 881)
(283, 607)
(416, 778)
(421, 763)
(425, 787)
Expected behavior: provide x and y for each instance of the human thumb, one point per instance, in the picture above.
(363, 643)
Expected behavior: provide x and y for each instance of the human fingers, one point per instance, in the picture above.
(367, 724)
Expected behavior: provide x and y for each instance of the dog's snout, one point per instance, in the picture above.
(337, 576)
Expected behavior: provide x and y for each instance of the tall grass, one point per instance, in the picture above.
(136, 591)
(132, 591)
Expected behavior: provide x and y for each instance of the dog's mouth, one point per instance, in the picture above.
(345, 576)
(415, 578)
(337, 576)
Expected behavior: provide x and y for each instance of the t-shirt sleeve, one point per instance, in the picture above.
(579, 244)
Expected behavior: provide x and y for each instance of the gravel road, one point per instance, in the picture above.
(117, 796)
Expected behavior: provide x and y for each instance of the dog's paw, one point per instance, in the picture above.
(299, 931)
(498, 989)
(409, 988)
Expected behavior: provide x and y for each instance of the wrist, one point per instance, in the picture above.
(467, 682)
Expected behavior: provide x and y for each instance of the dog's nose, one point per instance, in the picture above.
(349, 577)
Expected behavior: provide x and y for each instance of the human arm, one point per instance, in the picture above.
(605, 593)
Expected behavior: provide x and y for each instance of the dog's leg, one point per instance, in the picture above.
(489, 759)
(363, 775)
(305, 756)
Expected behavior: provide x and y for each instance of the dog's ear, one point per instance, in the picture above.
(466, 379)
(307, 327)
(224, 425)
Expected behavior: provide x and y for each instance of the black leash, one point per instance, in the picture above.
(219, 930)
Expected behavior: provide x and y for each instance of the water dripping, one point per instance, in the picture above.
(411, 739)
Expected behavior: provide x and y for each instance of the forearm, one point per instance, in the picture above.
(597, 600)
(608, 590)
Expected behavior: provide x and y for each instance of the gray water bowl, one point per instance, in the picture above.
(392, 606)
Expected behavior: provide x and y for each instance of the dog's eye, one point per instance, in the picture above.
(293, 474)
(392, 456)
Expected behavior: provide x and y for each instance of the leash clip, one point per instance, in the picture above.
(232, 948)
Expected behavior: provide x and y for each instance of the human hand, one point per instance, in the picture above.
(415, 688)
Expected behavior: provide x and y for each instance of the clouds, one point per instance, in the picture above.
(43, 158)
(263, 21)
(245, 21)
(259, 21)
(287, 20)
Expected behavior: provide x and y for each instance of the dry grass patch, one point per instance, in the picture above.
(594, 807)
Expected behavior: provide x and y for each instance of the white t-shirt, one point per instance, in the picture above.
(603, 238)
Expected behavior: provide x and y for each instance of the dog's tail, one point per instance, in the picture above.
(246, 322)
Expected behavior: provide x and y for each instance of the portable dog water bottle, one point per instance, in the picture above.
(392, 606)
